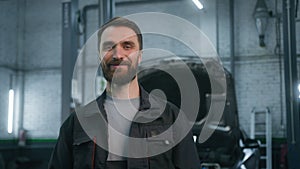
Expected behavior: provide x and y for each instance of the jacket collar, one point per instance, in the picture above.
(97, 106)
(144, 100)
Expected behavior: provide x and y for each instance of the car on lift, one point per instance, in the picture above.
(228, 147)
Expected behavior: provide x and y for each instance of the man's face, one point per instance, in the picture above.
(120, 54)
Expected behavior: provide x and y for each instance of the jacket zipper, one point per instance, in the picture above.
(93, 155)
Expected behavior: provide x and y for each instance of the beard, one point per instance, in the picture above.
(119, 76)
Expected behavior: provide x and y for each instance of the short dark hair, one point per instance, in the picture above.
(119, 21)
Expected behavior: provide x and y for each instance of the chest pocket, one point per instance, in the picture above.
(161, 136)
(160, 143)
(83, 152)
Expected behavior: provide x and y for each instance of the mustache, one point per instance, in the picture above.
(118, 62)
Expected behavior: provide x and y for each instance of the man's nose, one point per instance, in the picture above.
(118, 52)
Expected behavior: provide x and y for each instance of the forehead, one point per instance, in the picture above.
(117, 34)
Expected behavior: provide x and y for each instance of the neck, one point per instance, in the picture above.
(126, 91)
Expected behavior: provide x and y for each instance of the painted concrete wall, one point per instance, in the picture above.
(8, 32)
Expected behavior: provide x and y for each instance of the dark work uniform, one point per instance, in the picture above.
(77, 144)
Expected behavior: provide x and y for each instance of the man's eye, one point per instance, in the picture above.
(127, 46)
(107, 48)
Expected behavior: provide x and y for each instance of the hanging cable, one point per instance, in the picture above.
(296, 10)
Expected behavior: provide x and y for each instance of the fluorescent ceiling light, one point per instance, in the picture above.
(299, 90)
(10, 111)
(198, 4)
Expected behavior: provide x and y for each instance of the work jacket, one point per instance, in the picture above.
(82, 141)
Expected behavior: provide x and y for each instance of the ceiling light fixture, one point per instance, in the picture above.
(198, 4)
(10, 111)
(261, 15)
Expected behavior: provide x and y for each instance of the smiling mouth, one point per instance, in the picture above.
(115, 66)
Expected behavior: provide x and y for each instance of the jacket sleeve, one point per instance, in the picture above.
(185, 154)
(62, 155)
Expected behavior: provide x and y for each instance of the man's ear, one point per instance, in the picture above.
(100, 56)
(140, 56)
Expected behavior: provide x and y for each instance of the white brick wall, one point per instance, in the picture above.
(258, 85)
(42, 103)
